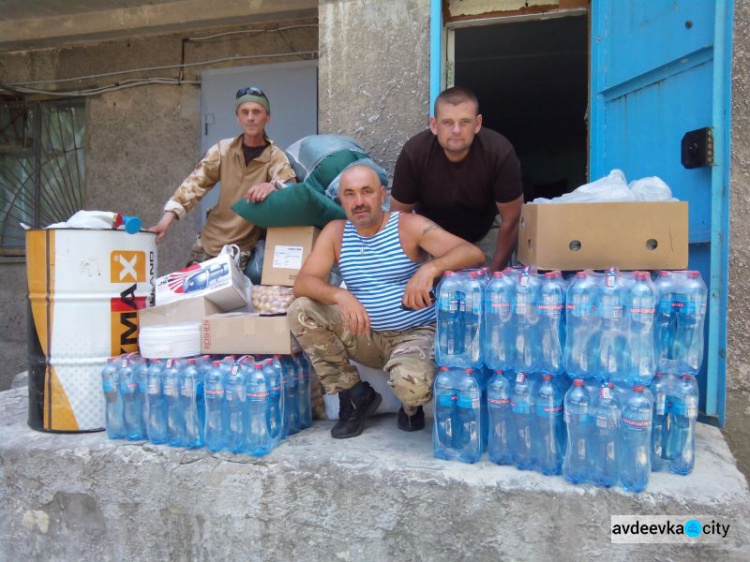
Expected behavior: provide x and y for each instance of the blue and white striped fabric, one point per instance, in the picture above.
(376, 271)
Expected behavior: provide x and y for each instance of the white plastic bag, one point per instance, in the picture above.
(609, 189)
(100, 219)
(651, 188)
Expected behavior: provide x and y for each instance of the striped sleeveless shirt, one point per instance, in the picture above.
(376, 271)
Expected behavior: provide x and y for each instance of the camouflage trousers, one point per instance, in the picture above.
(406, 356)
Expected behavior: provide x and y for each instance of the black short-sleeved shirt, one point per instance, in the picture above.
(461, 196)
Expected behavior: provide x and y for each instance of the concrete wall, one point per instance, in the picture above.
(374, 72)
(739, 262)
(143, 141)
(737, 428)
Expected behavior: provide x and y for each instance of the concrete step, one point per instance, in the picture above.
(380, 496)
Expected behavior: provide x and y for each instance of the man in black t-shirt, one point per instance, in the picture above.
(461, 176)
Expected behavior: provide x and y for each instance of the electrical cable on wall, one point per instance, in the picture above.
(248, 32)
(24, 87)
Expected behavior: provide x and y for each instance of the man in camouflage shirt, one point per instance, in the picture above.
(249, 166)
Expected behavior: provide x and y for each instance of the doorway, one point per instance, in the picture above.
(531, 79)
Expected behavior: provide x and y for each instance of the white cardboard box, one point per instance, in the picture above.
(218, 279)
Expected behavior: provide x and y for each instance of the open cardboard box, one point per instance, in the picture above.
(630, 236)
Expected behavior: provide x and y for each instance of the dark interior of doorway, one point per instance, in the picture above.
(531, 79)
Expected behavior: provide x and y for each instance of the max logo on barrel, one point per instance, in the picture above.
(127, 267)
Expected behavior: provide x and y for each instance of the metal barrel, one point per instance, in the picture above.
(85, 290)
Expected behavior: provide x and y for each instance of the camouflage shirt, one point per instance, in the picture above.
(225, 162)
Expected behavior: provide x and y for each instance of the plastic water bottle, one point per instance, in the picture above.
(605, 438)
(113, 401)
(522, 408)
(472, 321)
(577, 460)
(216, 412)
(635, 454)
(500, 419)
(204, 364)
(171, 386)
(235, 396)
(157, 404)
(141, 375)
(681, 441)
(483, 376)
(291, 394)
(131, 400)
(257, 399)
(582, 322)
(550, 427)
(193, 405)
(451, 303)
(305, 402)
(551, 307)
(276, 401)
(690, 302)
(484, 275)
(528, 353)
(468, 437)
(445, 394)
(665, 321)
(294, 415)
(614, 360)
(498, 345)
(559, 279)
(643, 300)
(659, 390)
(276, 362)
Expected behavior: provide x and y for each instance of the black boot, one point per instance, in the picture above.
(415, 422)
(355, 405)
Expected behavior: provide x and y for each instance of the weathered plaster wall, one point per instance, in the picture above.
(374, 72)
(738, 375)
(737, 429)
(143, 141)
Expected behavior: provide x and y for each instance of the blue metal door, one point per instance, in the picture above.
(659, 69)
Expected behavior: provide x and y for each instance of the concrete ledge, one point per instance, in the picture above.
(381, 496)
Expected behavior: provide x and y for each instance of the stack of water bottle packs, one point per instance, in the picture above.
(591, 377)
(245, 405)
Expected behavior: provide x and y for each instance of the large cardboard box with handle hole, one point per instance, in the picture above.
(575, 236)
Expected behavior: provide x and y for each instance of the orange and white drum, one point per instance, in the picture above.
(85, 290)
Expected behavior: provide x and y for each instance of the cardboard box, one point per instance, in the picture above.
(193, 309)
(243, 332)
(218, 279)
(286, 251)
(576, 236)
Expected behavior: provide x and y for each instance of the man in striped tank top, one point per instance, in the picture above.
(385, 318)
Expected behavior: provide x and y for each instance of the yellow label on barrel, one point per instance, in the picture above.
(127, 267)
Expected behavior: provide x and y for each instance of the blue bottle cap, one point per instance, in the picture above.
(132, 224)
